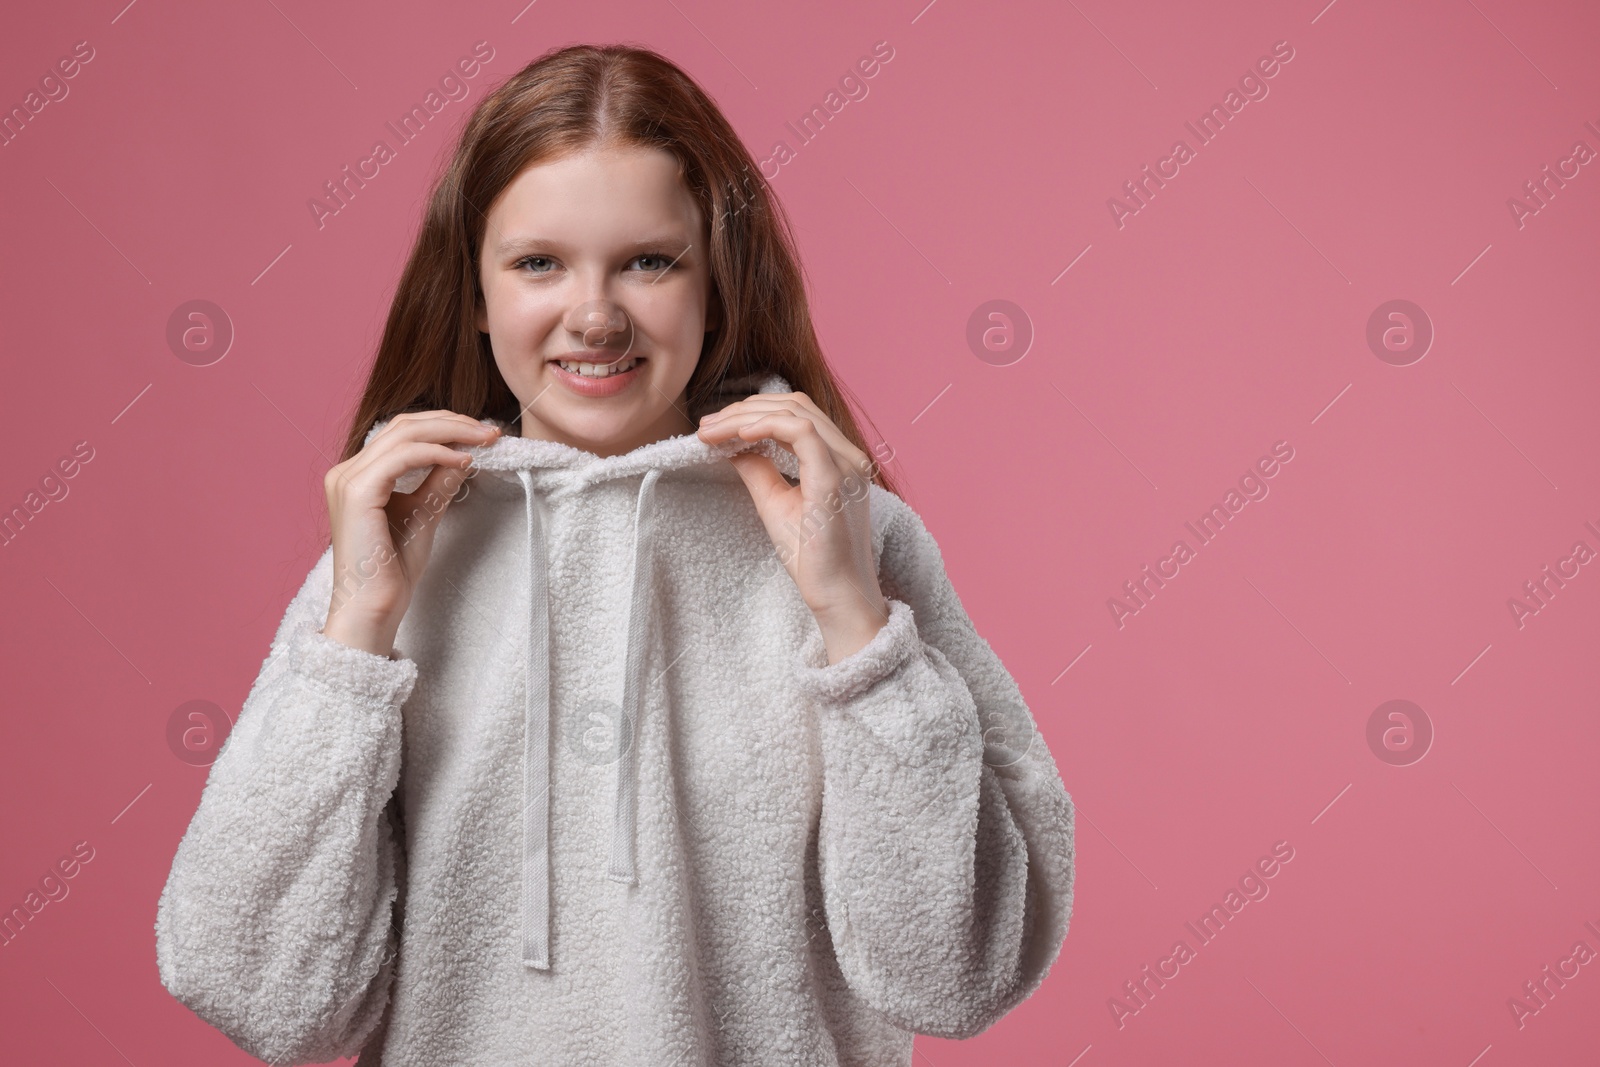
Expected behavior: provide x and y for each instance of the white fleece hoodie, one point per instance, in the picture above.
(612, 806)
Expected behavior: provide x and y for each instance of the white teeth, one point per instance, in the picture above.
(596, 370)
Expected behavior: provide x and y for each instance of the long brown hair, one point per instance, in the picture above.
(433, 356)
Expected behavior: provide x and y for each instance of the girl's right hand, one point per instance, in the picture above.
(381, 539)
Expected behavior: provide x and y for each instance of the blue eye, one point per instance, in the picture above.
(657, 263)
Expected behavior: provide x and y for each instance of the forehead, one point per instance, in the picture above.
(597, 195)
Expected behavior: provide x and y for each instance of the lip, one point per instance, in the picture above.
(610, 385)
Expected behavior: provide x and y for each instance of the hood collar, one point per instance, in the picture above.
(558, 466)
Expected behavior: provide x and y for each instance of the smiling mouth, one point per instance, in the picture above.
(599, 370)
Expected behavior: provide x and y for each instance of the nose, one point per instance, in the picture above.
(599, 326)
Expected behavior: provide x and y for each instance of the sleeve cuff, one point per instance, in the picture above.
(348, 673)
(838, 683)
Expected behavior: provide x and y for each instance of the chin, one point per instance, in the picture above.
(606, 440)
(606, 431)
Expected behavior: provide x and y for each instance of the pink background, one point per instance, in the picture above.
(1228, 314)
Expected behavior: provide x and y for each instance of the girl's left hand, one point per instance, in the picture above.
(822, 528)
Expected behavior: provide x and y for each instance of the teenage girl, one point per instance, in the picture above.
(629, 717)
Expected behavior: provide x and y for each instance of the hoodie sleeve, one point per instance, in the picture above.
(946, 840)
(275, 925)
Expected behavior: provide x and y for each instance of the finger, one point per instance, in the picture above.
(438, 426)
(820, 468)
(800, 405)
(752, 425)
(739, 406)
(383, 468)
(419, 511)
(435, 430)
(728, 429)
(404, 419)
(836, 436)
(445, 427)
(432, 413)
(859, 461)
(760, 474)
(437, 490)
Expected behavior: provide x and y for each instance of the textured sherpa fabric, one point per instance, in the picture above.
(607, 803)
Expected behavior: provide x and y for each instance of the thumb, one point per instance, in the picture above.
(417, 512)
(761, 476)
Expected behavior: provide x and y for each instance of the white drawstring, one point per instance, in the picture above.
(536, 718)
(536, 747)
(634, 683)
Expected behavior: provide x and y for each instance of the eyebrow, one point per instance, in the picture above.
(523, 243)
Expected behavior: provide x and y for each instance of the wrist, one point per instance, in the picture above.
(849, 628)
(375, 636)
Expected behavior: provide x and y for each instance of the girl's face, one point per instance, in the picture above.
(597, 297)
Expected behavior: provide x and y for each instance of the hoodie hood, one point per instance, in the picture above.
(545, 467)
(557, 466)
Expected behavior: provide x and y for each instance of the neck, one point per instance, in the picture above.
(670, 423)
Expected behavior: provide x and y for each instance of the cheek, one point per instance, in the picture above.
(521, 316)
(672, 317)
